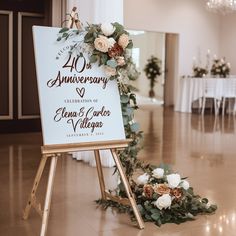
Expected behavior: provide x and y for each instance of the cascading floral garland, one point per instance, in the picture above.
(161, 196)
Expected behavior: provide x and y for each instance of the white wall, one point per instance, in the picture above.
(228, 40)
(149, 43)
(199, 29)
(98, 11)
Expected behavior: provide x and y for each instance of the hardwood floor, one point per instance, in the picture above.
(202, 148)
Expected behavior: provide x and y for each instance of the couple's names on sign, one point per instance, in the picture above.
(78, 102)
(82, 119)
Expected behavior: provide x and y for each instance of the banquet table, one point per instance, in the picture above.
(191, 89)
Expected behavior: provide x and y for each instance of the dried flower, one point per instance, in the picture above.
(161, 189)
(148, 190)
(177, 193)
(115, 51)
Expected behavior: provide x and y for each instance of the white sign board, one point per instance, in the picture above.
(78, 103)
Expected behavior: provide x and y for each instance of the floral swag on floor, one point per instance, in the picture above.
(161, 196)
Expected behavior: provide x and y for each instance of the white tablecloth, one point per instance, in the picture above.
(191, 89)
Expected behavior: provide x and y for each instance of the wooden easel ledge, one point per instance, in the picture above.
(73, 147)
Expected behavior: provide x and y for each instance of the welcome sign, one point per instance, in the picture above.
(78, 103)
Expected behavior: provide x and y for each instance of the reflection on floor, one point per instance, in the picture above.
(201, 148)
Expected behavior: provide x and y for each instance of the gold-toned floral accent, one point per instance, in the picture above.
(177, 193)
(148, 190)
(161, 189)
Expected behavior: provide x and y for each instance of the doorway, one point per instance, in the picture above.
(171, 69)
(19, 105)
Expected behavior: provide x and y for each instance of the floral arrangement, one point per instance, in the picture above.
(165, 197)
(152, 70)
(108, 45)
(199, 72)
(220, 68)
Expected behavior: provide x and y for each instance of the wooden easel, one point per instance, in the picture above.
(55, 151)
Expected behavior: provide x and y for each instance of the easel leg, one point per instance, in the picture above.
(35, 186)
(100, 173)
(128, 189)
(48, 195)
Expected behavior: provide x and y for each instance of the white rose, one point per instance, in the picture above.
(109, 71)
(185, 184)
(120, 61)
(143, 179)
(107, 29)
(208, 205)
(101, 43)
(173, 180)
(123, 40)
(111, 42)
(163, 202)
(158, 173)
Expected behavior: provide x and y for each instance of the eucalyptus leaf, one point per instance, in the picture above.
(155, 216)
(124, 98)
(148, 217)
(112, 63)
(88, 38)
(64, 35)
(93, 58)
(205, 200)
(125, 120)
(104, 58)
(135, 127)
(63, 30)
(130, 45)
(155, 210)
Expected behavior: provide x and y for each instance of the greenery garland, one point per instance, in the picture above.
(109, 46)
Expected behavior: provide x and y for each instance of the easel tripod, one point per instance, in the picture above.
(55, 151)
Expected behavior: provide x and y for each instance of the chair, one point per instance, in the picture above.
(229, 93)
(209, 91)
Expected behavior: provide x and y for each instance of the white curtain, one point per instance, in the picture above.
(97, 11)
